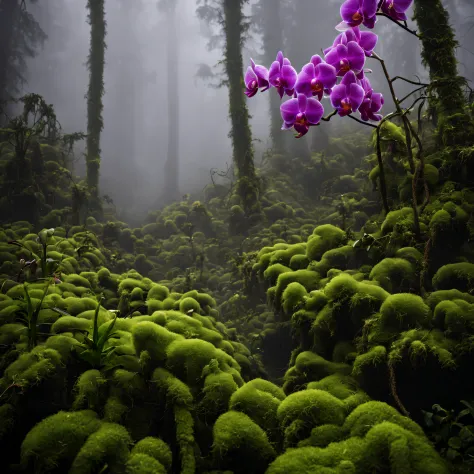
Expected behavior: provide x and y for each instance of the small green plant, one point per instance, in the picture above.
(29, 315)
(49, 266)
(453, 433)
(367, 241)
(94, 351)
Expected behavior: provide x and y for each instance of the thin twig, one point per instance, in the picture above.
(413, 32)
(362, 122)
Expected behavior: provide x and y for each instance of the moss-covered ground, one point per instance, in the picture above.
(318, 341)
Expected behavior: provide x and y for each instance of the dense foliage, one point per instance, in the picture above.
(328, 335)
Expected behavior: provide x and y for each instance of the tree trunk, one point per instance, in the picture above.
(172, 162)
(95, 93)
(247, 181)
(8, 12)
(272, 43)
(439, 55)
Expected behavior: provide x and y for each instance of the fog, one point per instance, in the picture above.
(134, 139)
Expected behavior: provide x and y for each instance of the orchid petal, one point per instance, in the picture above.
(368, 41)
(343, 26)
(302, 102)
(348, 9)
(274, 72)
(314, 111)
(326, 74)
(337, 94)
(289, 110)
(356, 56)
(289, 74)
(250, 76)
(355, 96)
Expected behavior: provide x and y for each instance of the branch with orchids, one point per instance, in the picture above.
(345, 60)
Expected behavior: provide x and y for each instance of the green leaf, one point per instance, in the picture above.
(105, 337)
(455, 442)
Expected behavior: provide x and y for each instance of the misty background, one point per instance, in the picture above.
(134, 140)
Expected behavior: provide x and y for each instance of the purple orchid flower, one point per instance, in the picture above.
(372, 103)
(396, 8)
(347, 97)
(356, 12)
(365, 39)
(282, 75)
(301, 113)
(345, 58)
(316, 78)
(256, 77)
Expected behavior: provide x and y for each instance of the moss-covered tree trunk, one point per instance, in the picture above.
(439, 48)
(247, 181)
(172, 161)
(95, 93)
(272, 43)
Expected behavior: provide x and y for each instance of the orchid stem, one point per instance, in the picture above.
(412, 92)
(419, 83)
(414, 33)
(328, 117)
(362, 122)
(400, 112)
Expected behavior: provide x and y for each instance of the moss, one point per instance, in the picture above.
(322, 436)
(39, 449)
(403, 311)
(114, 409)
(189, 305)
(395, 275)
(340, 386)
(77, 280)
(313, 407)
(75, 306)
(151, 337)
(259, 399)
(142, 463)
(341, 287)
(174, 390)
(272, 273)
(156, 448)
(456, 317)
(31, 368)
(324, 238)
(400, 216)
(130, 383)
(188, 358)
(316, 367)
(456, 275)
(218, 389)
(401, 450)
(106, 446)
(373, 358)
(306, 278)
(293, 297)
(316, 301)
(88, 387)
(308, 460)
(369, 414)
(236, 440)
(411, 254)
(437, 296)
(158, 292)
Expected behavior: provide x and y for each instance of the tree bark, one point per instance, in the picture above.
(95, 93)
(248, 183)
(439, 55)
